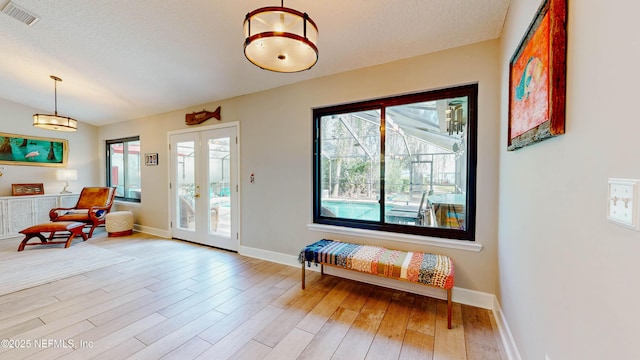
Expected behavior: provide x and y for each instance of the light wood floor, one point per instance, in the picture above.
(178, 300)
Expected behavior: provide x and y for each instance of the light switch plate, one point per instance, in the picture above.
(624, 207)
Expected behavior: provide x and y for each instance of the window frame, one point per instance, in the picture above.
(471, 91)
(122, 141)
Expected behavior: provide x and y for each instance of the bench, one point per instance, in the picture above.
(71, 229)
(415, 267)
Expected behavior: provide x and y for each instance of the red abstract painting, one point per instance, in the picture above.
(537, 78)
(530, 88)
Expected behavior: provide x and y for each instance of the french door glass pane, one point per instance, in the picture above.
(185, 184)
(219, 180)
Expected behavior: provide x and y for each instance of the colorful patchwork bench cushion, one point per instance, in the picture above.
(428, 269)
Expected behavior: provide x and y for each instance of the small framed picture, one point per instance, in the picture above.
(27, 189)
(151, 159)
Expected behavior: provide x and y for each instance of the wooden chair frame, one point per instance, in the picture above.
(92, 215)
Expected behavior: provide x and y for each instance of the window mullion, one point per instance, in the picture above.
(382, 164)
(125, 167)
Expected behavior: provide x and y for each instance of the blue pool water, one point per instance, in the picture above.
(353, 210)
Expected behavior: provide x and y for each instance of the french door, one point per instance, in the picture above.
(204, 186)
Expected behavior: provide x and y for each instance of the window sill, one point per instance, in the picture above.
(415, 239)
(128, 203)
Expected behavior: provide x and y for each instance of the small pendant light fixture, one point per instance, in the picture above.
(280, 39)
(455, 118)
(54, 122)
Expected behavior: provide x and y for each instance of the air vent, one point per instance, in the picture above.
(20, 14)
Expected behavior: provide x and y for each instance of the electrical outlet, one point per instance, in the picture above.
(547, 357)
(624, 206)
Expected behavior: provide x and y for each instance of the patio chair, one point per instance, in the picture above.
(187, 212)
(92, 208)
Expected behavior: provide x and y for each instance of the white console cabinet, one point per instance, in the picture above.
(20, 212)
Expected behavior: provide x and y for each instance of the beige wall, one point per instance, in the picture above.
(83, 153)
(275, 132)
(567, 278)
(152, 212)
(563, 274)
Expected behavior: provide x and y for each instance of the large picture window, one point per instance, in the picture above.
(123, 168)
(403, 164)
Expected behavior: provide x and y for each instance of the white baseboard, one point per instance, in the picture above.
(152, 231)
(268, 255)
(460, 295)
(508, 341)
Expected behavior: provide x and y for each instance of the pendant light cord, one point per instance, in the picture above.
(55, 96)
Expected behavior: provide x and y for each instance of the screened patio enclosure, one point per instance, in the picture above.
(423, 165)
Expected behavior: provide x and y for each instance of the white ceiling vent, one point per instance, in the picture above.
(20, 14)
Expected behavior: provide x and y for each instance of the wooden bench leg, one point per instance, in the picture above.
(449, 308)
(303, 273)
(29, 237)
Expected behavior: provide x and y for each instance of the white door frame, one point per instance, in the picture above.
(236, 211)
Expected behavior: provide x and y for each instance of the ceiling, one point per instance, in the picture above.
(124, 59)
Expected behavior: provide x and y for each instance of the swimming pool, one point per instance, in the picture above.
(358, 210)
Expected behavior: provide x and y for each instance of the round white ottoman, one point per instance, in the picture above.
(119, 223)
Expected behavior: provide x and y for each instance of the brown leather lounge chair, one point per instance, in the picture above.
(92, 207)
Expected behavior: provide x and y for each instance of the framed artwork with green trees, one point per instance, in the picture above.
(33, 150)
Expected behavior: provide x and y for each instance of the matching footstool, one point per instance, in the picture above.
(119, 223)
(72, 227)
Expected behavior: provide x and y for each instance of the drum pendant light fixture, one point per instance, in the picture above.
(280, 39)
(54, 122)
